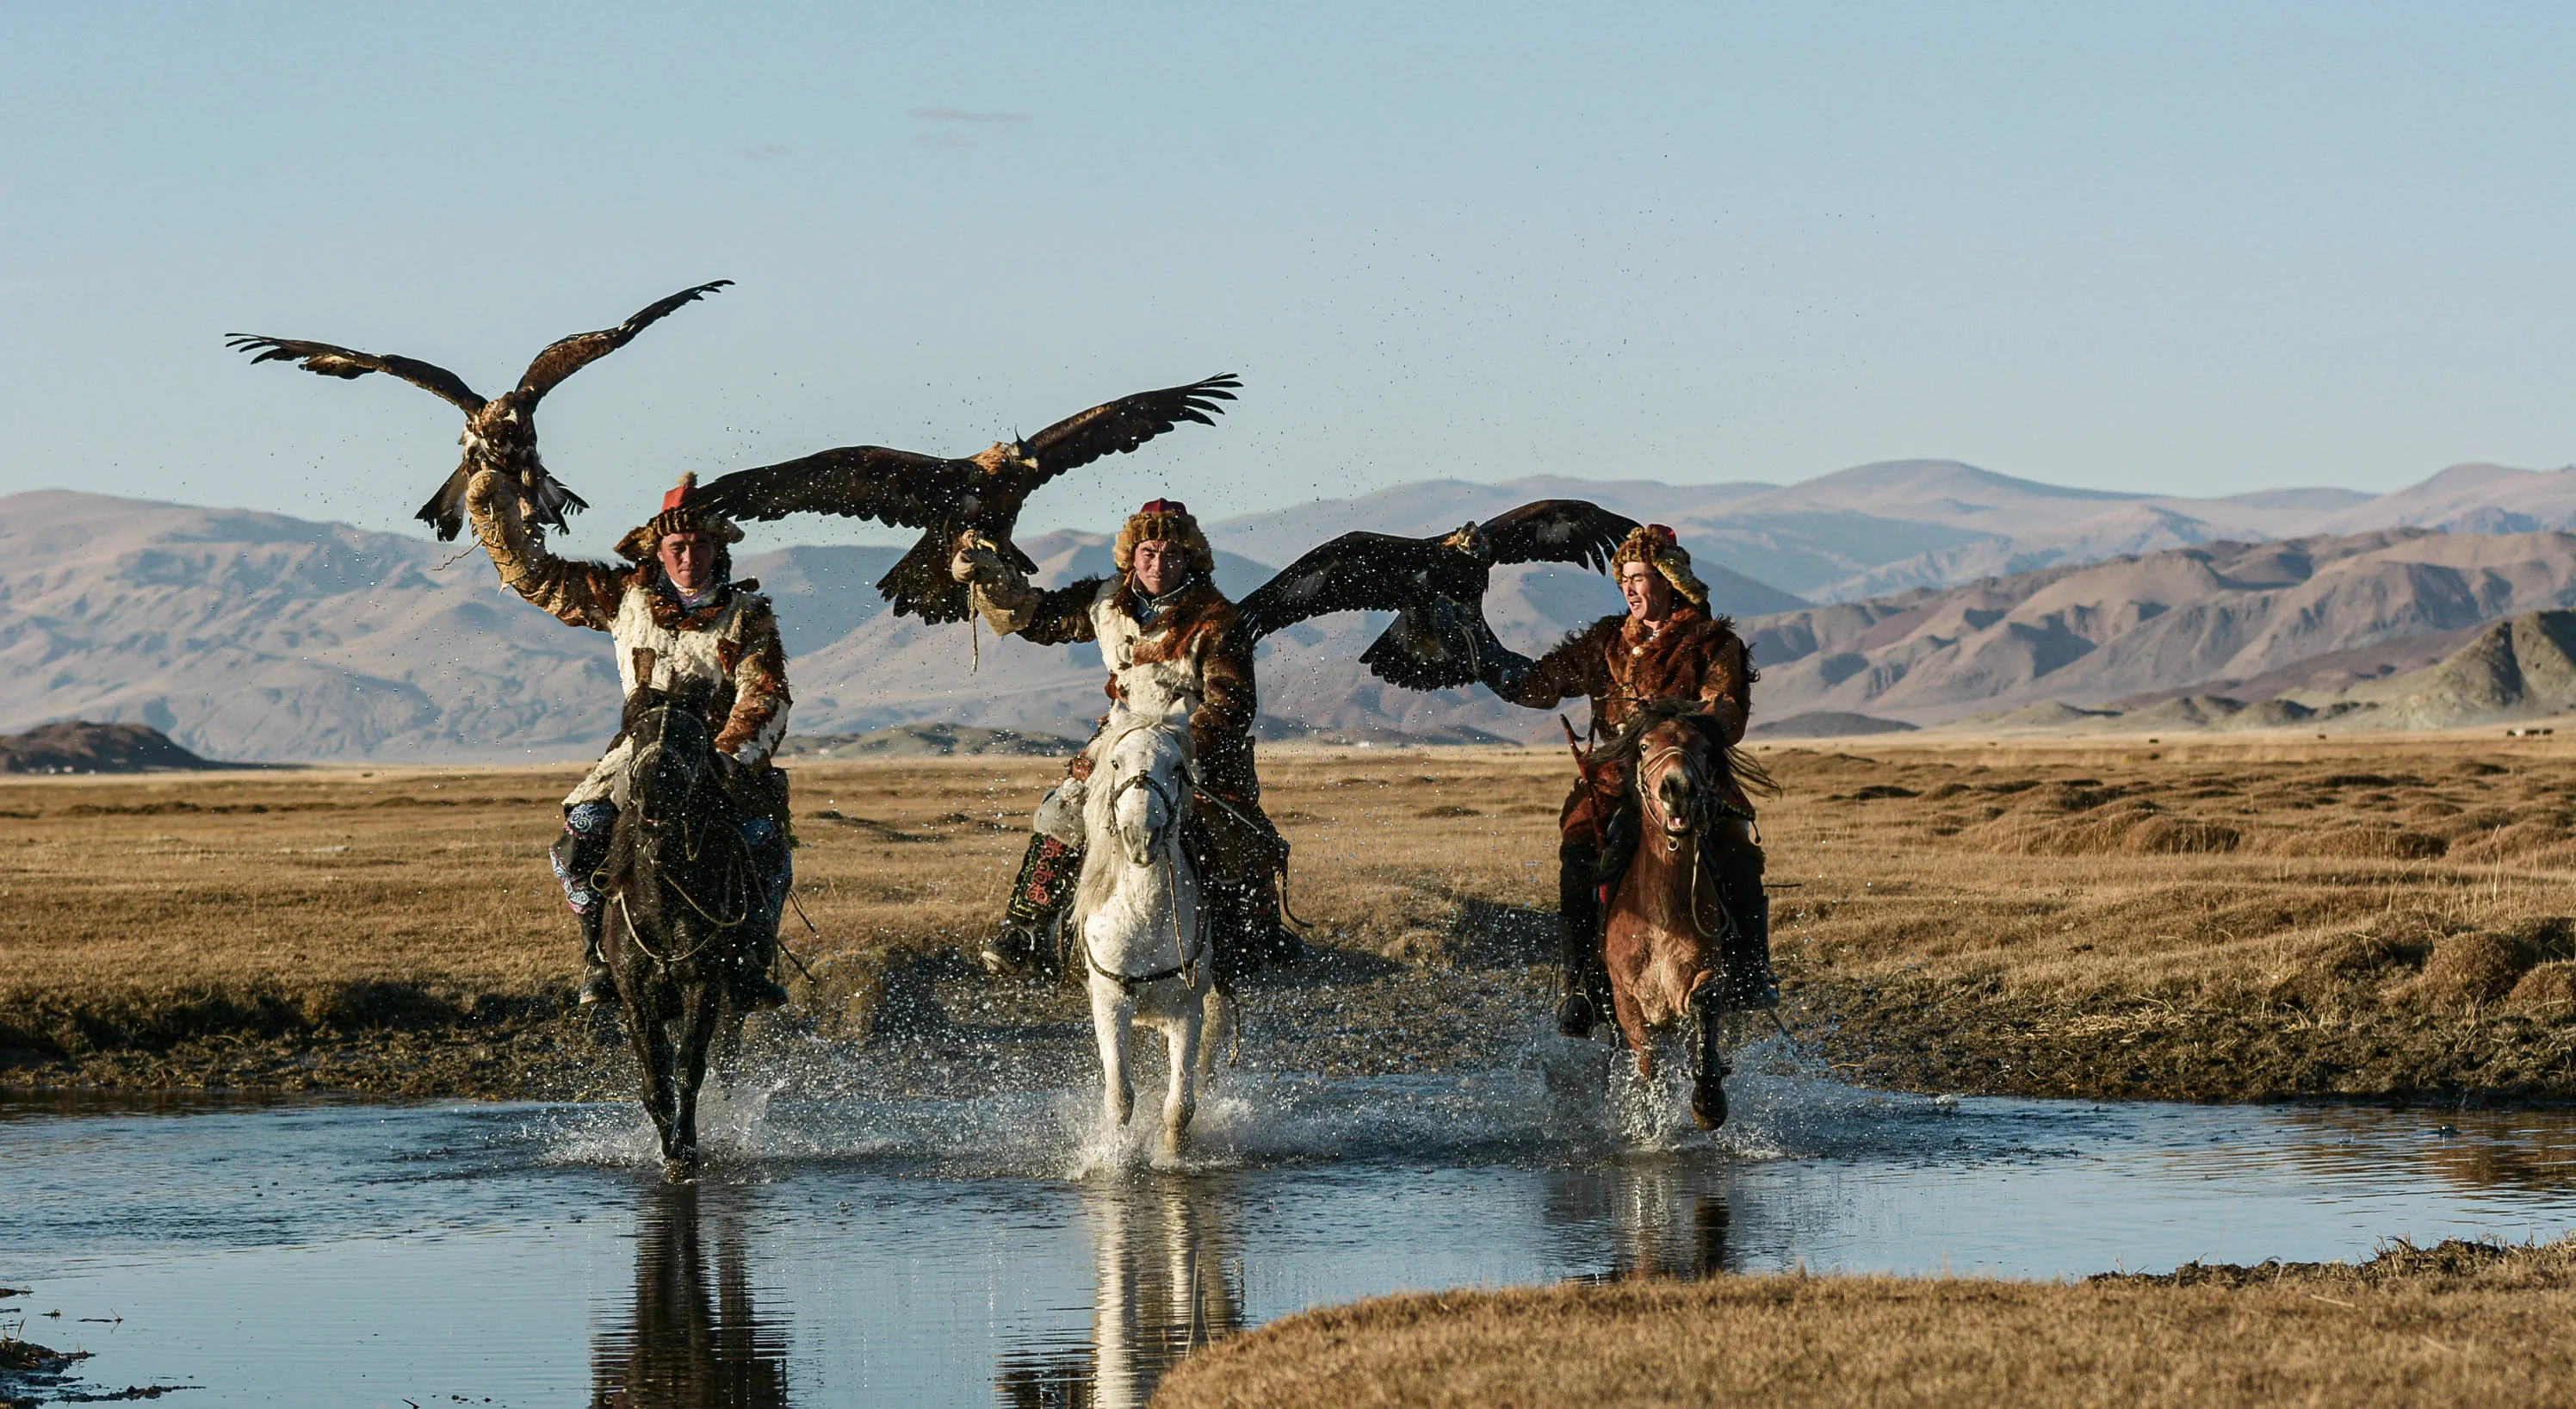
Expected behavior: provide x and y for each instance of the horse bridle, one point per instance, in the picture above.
(1699, 791)
(691, 847)
(1188, 951)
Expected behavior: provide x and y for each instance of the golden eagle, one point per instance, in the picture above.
(945, 498)
(500, 434)
(1436, 588)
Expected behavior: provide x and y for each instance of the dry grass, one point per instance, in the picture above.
(2219, 920)
(2455, 1324)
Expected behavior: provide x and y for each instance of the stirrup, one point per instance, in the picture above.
(598, 987)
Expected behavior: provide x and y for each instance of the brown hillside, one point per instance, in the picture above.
(77, 746)
(2158, 623)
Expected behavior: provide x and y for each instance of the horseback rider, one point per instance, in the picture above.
(1667, 646)
(1170, 641)
(680, 622)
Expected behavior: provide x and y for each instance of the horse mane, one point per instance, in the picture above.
(1099, 868)
(1625, 747)
(689, 697)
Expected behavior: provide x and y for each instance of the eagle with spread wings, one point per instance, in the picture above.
(1436, 588)
(500, 434)
(980, 494)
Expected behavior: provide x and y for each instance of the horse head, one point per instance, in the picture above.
(1677, 766)
(1143, 780)
(671, 748)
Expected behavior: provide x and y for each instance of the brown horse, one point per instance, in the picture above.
(685, 905)
(1664, 935)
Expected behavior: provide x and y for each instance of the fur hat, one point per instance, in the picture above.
(1167, 521)
(1655, 545)
(677, 516)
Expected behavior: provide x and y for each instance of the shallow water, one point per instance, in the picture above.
(933, 1252)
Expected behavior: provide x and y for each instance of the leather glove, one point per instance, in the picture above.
(976, 561)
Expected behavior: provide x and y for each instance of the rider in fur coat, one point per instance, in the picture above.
(1169, 639)
(678, 620)
(1666, 646)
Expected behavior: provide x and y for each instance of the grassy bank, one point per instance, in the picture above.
(2458, 1323)
(2225, 920)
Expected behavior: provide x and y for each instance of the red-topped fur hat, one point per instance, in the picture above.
(1166, 521)
(678, 516)
(1660, 548)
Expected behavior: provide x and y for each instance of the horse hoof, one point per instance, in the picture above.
(1708, 1107)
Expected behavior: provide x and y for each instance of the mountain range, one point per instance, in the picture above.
(1918, 591)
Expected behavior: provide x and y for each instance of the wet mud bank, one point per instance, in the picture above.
(922, 1019)
(1971, 1038)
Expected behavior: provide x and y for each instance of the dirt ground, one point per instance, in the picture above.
(2239, 919)
(2454, 1324)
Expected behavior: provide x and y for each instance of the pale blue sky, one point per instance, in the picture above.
(2185, 248)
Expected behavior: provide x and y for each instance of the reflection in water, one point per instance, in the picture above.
(682, 1347)
(1168, 1283)
(1663, 1218)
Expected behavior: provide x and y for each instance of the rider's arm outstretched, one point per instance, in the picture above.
(576, 592)
(1013, 608)
(1578, 668)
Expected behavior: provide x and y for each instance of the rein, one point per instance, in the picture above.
(1704, 800)
(737, 879)
(1188, 950)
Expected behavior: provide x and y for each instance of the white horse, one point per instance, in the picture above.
(1143, 930)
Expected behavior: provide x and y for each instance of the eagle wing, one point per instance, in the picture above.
(566, 356)
(1558, 531)
(855, 481)
(1122, 425)
(1356, 572)
(323, 359)
(1439, 639)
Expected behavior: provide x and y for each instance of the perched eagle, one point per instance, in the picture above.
(500, 434)
(946, 498)
(1435, 586)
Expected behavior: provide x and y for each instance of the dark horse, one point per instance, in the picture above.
(685, 907)
(1664, 932)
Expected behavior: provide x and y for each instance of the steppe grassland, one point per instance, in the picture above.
(2223, 919)
(2452, 1324)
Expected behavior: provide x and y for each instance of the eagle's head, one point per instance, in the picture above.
(1014, 452)
(1470, 540)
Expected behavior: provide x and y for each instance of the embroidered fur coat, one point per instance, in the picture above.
(1620, 664)
(729, 644)
(1188, 656)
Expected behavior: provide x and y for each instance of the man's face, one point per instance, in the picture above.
(1160, 566)
(1650, 597)
(690, 559)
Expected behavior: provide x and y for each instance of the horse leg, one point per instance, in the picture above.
(1708, 1065)
(1216, 1019)
(1624, 947)
(1182, 1102)
(1111, 1011)
(652, 1053)
(701, 1005)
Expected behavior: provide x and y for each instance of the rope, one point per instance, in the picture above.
(1187, 952)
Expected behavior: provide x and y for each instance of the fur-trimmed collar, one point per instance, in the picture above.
(671, 614)
(1191, 600)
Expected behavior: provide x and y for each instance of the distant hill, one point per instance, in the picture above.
(1911, 591)
(78, 746)
(927, 741)
(2093, 634)
(2524, 668)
